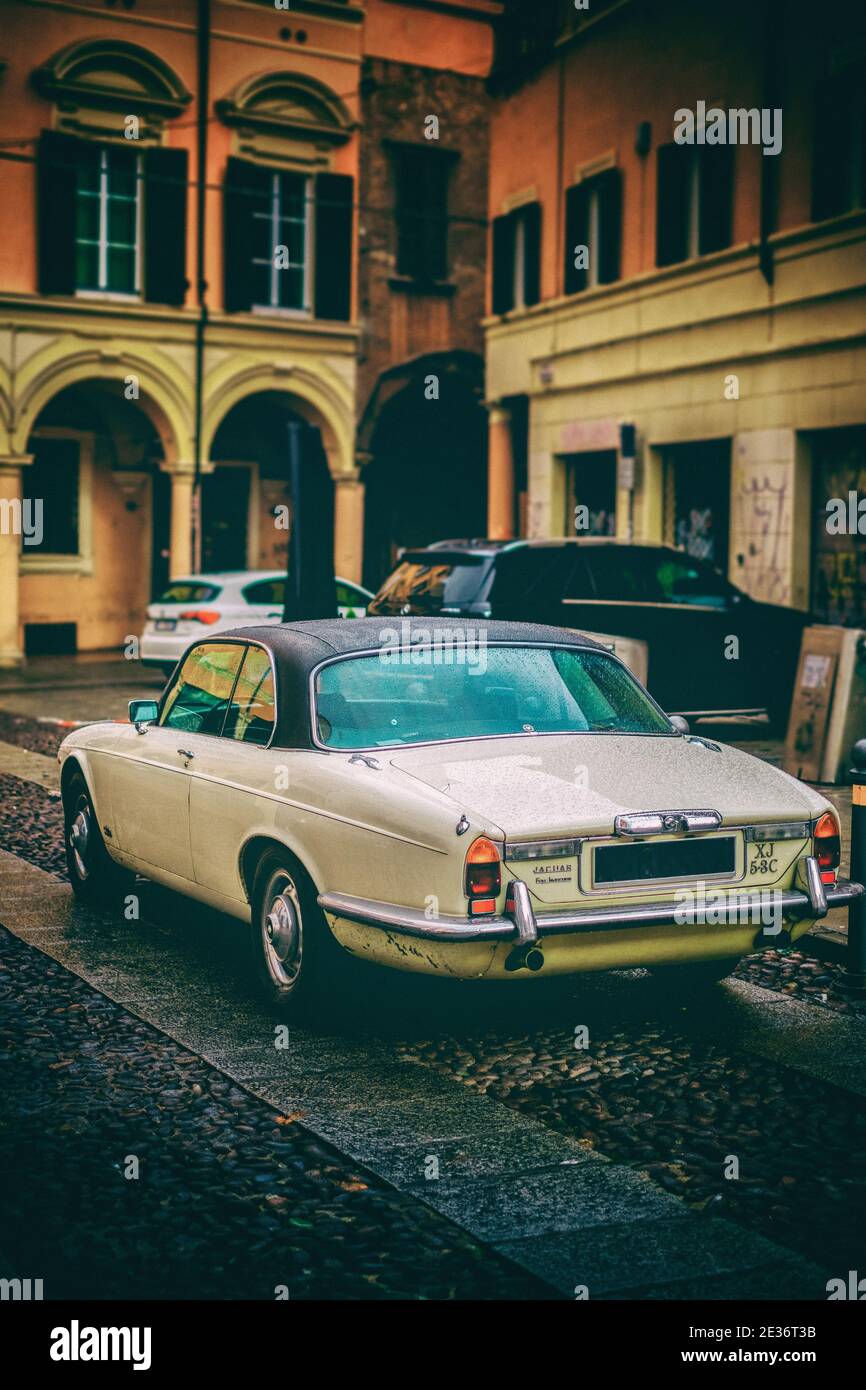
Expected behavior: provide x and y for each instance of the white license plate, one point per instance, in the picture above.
(165, 624)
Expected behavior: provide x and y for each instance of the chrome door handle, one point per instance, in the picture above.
(185, 753)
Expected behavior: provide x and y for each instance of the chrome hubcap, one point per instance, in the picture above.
(79, 838)
(283, 931)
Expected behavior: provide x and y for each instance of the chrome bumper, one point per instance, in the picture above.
(522, 927)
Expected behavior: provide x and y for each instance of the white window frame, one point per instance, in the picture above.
(100, 292)
(305, 311)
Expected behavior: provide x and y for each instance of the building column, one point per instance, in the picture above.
(180, 543)
(500, 475)
(11, 491)
(348, 525)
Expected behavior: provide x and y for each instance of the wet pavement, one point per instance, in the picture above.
(684, 1149)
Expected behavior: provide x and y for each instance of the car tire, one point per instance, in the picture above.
(95, 877)
(295, 961)
(696, 977)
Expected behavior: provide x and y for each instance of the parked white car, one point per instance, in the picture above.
(211, 603)
(474, 800)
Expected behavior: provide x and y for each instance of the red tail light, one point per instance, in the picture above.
(827, 847)
(200, 615)
(483, 877)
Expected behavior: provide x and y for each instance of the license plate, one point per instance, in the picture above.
(665, 859)
(165, 624)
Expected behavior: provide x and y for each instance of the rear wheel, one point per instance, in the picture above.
(95, 877)
(296, 963)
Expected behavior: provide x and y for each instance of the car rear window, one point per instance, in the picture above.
(268, 591)
(189, 591)
(429, 582)
(467, 689)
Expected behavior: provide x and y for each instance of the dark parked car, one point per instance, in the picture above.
(685, 610)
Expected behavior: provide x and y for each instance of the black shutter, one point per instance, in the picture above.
(333, 263)
(245, 189)
(531, 215)
(503, 264)
(437, 169)
(831, 149)
(672, 203)
(576, 232)
(609, 185)
(165, 189)
(59, 159)
(716, 182)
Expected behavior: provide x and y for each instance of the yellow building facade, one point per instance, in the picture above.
(739, 356)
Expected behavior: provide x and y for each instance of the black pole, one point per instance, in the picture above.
(203, 45)
(855, 980)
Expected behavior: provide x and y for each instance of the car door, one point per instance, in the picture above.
(236, 779)
(150, 779)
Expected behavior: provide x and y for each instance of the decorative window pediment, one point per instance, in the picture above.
(287, 106)
(94, 81)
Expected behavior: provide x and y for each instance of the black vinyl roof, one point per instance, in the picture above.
(297, 648)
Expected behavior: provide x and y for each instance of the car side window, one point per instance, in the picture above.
(685, 581)
(619, 575)
(252, 711)
(269, 592)
(199, 696)
(530, 572)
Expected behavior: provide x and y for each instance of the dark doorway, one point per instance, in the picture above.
(591, 494)
(427, 476)
(698, 499)
(225, 505)
(838, 555)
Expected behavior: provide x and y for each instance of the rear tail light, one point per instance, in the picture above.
(483, 877)
(199, 615)
(827, 847)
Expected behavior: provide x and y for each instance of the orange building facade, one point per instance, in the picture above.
(708, 294)
(148, 374)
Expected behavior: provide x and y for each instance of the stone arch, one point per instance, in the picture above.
(112, 74)
(317, 400)
(165, 403)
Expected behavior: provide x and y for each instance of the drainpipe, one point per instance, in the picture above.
(772, 32)
(203, 54)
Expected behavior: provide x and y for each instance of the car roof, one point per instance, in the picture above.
(297, 648)
(492, 547)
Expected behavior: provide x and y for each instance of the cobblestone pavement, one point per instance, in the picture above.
(231, 1200)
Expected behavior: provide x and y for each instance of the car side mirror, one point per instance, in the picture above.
(680, 723)
(142, 712)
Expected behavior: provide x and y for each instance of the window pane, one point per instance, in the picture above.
(266, 591)
(87, 216)
(121, 221)
(121, 269)
(122, 167)
(87, 266)
(251, 717)
(372, 701)
(199, 697)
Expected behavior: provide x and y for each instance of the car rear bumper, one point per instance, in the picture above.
(522, 927)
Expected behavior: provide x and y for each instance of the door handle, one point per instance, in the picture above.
(185, 753)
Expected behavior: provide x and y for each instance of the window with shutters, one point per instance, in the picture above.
(517, 258)
(282, 243)
(839, 143)
(421, 211)
(592, 231)
(694, 201)
(108, 219)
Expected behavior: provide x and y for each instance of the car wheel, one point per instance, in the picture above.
(95, 877)
(696, 976)
(295, 960)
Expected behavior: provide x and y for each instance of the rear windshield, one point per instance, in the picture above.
(417, 695)
(189, 591)
(428, 584)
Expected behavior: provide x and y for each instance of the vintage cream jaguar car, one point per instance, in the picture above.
(479, 800)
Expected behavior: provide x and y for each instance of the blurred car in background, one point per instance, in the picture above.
(683, 608)
(202, 604)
